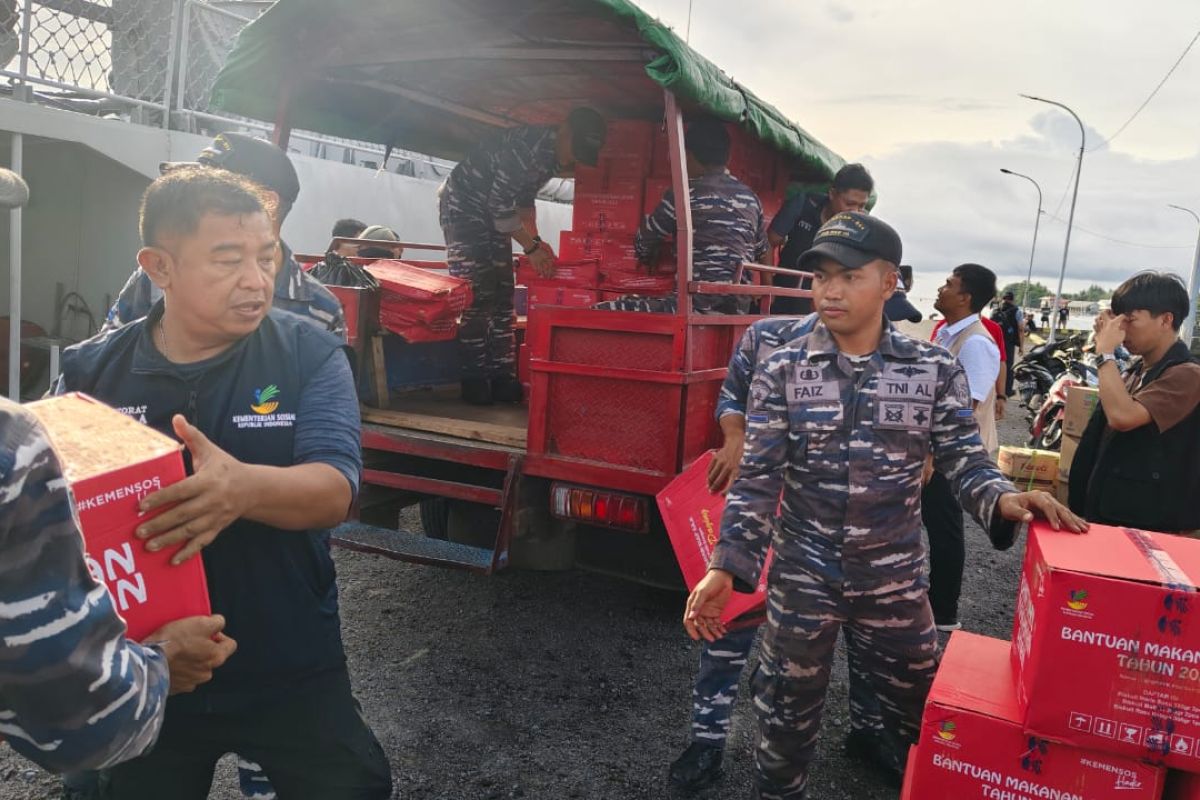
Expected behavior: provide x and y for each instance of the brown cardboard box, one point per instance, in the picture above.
(1066, 455)
(1022, 464)
(1081, 402)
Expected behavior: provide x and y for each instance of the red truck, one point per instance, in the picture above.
(619, 402)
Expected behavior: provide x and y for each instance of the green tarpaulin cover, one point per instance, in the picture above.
(434, 76)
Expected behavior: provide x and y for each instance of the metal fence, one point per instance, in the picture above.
(157, 56)
(155, 62)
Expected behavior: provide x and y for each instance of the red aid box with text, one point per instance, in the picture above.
(692, 517)
(110, 462)
(972, 743)
(1106, 642)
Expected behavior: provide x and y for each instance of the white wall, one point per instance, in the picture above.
(330, 191)
(87, 176)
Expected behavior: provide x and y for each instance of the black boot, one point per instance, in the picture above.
(699, 767)
(507, 390)
(873, 748)
(476, 391)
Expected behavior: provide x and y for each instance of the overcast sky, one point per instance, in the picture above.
(924, 92)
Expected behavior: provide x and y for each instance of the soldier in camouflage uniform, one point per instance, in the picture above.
(728, 228)
(487, 202)
(295, 290)
(722, 661)
(838, 426)
(76, 693)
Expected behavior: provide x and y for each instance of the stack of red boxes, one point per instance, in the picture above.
(419, 304)
(612, 199)
(1097, 693)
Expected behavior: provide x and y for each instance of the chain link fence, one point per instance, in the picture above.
(160, 54)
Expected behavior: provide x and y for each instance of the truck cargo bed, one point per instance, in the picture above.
(443, 412)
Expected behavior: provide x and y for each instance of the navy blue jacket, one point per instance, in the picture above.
(276, 588)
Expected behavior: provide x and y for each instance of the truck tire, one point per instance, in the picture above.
(435, 517)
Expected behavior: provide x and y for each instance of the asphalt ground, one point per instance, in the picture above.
(555, 685)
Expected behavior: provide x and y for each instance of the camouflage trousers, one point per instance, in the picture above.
(721, 665)
(482, 255)
(893, 641)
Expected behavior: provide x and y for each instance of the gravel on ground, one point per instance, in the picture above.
(555, 685)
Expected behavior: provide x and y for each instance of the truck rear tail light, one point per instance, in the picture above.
(599, 507)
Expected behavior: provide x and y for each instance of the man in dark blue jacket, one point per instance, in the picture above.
(265, 403)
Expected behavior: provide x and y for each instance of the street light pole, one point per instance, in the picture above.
(1074, 195)
(1036, 221)
(1188, 330)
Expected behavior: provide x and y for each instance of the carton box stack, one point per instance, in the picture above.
(973, 743)
(1029, 469)
(111, 462)
(1081, 403)
(612, 199)
(1099, 690)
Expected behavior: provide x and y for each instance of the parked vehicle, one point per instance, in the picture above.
(619, 402)
(1045, 429)
(1037, 370)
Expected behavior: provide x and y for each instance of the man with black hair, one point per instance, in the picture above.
(266, 405)
(295, 290)
(1011, 320)
(728, 228)
(966, 292)
(1137, 464)
(802, 215)
(487, 203)
(838, 425)
(347, 228)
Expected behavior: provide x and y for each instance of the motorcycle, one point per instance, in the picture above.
(1036, 372)
(1045, 429)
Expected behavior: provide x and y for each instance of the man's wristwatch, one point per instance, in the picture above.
(1104, 358)
(537, 242)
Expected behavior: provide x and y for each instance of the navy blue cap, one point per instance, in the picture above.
(854, 239)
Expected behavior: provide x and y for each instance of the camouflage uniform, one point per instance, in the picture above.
(479, 209)
(846, 448)
(722, 661)
(74, 692)
(728, 230)
(295, 291)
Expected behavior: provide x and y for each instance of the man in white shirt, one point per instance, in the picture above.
(966, 292)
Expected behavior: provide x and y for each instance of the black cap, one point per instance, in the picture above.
(588, 132)
(898, 309)
(854, 239)
(1008, 296)
(257, 159)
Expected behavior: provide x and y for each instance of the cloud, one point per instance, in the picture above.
(951, 204)
(840, 12)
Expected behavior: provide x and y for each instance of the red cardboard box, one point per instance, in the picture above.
(544, 295)
(1106, 642)
(420, 304)
(972, 743)
(906, 789)
(111, 461)
(692, 516)
(1182, 786)
(578, 274)
(627, 149)
(616, 210)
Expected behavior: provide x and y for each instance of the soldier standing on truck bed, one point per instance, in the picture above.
(727, 226)
(798, 221)
(488, 201)
(838, 424)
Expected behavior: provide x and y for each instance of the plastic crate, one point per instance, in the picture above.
(419, 365)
